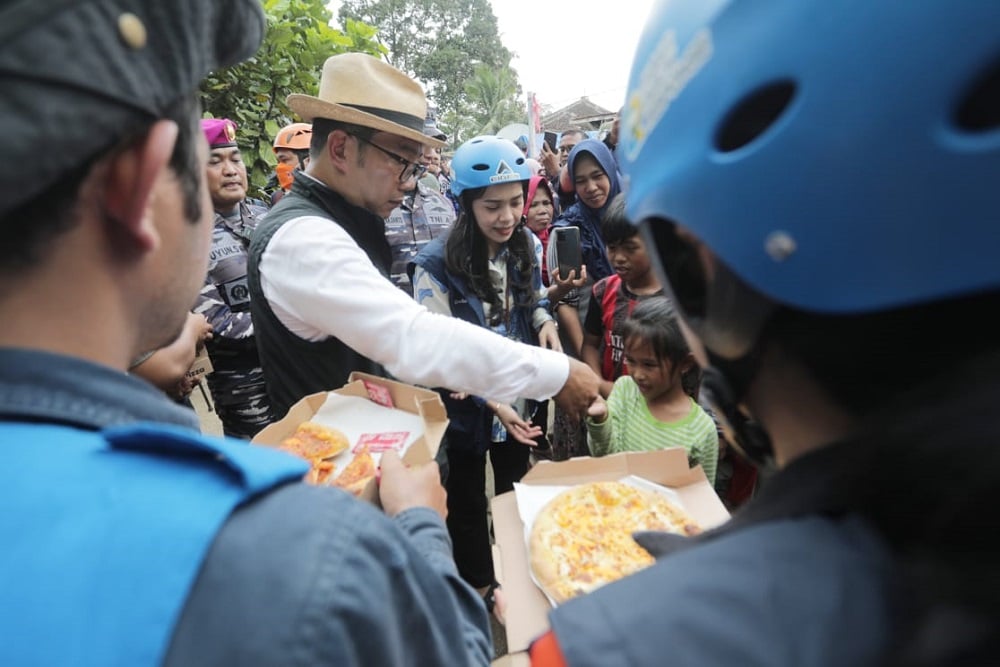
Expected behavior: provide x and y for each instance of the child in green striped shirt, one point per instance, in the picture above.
(649, 408)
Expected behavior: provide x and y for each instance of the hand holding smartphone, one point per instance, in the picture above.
(568, 254)
(550, 141)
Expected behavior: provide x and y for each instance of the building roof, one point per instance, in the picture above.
(580, 115)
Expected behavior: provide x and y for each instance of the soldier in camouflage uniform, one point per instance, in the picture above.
(237, 383)
(423, 216)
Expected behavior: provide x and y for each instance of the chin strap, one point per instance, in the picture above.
(747, 435)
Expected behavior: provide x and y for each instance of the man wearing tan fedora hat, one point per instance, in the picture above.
(322, 303)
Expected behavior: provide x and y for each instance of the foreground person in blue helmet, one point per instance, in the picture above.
(826, 224)
(128, 537)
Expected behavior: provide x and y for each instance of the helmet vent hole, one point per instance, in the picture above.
(979, 110)
(753, 115)
(481, 166)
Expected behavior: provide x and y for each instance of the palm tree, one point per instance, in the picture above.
(492, 94)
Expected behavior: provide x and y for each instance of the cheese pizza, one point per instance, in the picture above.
(582, 539)
(314, 441)
(356, 474)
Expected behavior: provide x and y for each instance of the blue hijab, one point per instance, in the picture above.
(588, 219)
(600, 152)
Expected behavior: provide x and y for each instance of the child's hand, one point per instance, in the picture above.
(459, 395)
(598, 411)
(606, 387)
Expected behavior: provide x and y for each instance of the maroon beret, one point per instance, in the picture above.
(220, 132)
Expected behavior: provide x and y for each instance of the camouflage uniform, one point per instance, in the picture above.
(423, 216)
(237, 382)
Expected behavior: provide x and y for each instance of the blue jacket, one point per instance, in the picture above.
(131, 504)
(874, 550)
(120, 547)
(469, 420)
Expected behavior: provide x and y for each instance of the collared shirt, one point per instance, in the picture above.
(315, 298)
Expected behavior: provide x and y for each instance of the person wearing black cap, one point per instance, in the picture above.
(321, 300)
(128, 537)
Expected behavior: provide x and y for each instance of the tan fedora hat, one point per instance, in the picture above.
(360, 89)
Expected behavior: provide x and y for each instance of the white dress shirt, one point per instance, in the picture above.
(320, 283)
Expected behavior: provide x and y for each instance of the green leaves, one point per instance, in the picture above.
(299, 40)
(452, 47)
(441, 43)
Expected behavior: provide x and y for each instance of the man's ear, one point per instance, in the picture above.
(131, 180)
(336, 148)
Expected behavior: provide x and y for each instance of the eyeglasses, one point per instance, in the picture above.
(410, 169)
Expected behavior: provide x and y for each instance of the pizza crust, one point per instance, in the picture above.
(544, 566)
(582, 538)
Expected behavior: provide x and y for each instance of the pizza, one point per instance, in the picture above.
(356, 474)
(313, 441)
(582, 538)
(316, 443)
(320, 471)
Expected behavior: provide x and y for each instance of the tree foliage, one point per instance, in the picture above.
(440, 43)
(492, 95)
(299, 40)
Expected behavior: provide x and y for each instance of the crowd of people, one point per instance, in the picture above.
(781, 264)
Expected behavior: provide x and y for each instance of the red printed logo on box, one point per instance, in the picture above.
(379, 394)
(382, 442)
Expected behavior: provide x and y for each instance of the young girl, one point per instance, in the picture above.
(652, 407)
(486, 271)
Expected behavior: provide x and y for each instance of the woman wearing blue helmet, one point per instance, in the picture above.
(486, 271)
(821, 182)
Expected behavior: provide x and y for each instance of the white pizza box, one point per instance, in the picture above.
(527, 607)
(370, 409)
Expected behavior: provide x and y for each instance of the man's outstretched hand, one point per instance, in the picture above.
(581, 389)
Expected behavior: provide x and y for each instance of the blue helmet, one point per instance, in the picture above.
(487, 160)
(836, 157)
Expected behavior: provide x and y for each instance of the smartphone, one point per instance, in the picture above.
(568, 253)
(550, 139)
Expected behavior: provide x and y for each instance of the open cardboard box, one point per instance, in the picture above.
(415, 400)
(527, 606)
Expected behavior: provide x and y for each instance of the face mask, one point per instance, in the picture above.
(285, 173)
